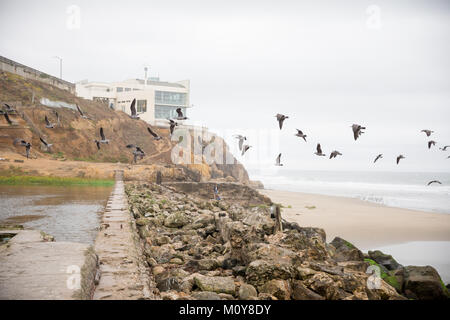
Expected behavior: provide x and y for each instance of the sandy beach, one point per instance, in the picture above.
(365, 224)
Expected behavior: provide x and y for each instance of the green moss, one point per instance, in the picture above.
(54, 181)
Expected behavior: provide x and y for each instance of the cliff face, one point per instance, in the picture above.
(74, 138)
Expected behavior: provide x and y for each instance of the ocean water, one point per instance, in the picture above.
(395, 189)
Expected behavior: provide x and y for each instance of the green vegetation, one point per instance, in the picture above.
(310, 207)
(54, 181)
(390, 279)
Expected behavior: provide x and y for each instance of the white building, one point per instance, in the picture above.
(155, 100)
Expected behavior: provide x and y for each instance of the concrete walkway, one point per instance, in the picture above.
(32, 268)
(123, 271)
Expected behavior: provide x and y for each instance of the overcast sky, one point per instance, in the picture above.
(326, 64)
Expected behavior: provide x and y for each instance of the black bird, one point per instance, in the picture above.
(434, 181)
(280, 119)
(23, 143)
(278, 161)
(5, 114)
(427, 132)
(81, 112)
(334, 154)
(133, 110)
(444, 148)
(155, 136)
(357, 130)
(378, 157)
(137, 152)
(47, 145)
(103, 139)
(319, 151)
(300, 134)
(431, 143)
(180, 115)
(48, 124)
(241, 140)
(245, 148)
(173, 124)
(400, 157)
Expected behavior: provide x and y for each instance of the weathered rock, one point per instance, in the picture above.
(385, 260)
(278, 288)
(345, 251)
(247, 291)
(215, 284)
(207, 264)
(260, 271)
(423, 283)
(260, 219)
(176, 220)
(301, 292)
(206, 295)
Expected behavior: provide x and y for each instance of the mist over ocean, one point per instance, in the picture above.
(407, 190)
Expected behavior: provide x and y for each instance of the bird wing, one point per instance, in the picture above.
(179, 112)
(102, 134)
(43, 141)
(279, 158)
(280, 121)
(98, 144)
(133, 107)
(299, 132)
(241, 142)
(172, 126)
(46, 120)
(7, 118)
(319, 149)
(19, 140)
(138, 149)
(79, 110)
(151, 132)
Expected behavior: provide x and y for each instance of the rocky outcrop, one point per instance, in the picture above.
(199, 248)
(423, 283)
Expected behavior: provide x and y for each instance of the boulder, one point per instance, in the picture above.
(385, 260)
(260, 219)
(260, 271)
(345, 251)
(215, 284)
(247, 291)
(301, 292)
(423, 283)
(278, 288)
(176, 220)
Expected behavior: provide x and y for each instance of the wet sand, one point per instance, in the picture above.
(365, 224)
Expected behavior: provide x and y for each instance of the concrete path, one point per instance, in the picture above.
(31, 268)
(123, 272)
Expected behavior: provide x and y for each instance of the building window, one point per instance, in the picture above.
(167, 112)
(166, 97)
(141, 106)
(119, 89)
(127, 89)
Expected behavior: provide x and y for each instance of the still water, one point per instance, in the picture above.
(67, 213)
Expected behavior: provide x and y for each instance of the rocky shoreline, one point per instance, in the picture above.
(198, 248)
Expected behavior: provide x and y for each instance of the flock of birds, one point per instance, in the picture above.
(357, 132)
(138, 152)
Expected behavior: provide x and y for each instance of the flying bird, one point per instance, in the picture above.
(58, 119)
(180, 115)
(280, 119)
(23, 143)
(378, 157)
(102, 140)
(241, 140)
(278, 161)
(48, 124)
(444, 148)
(400, 157)
(434, 181)
(173, 124)
(133, 110)
(245, 147)
(431, 143)
(81, 112)
(427, 132)
(357, 130)
(319, 151)
(300, 134)
(334, 154)
(137, 152)
(47, 145)
(155, 136)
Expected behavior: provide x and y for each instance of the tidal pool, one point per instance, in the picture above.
(67, 213)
